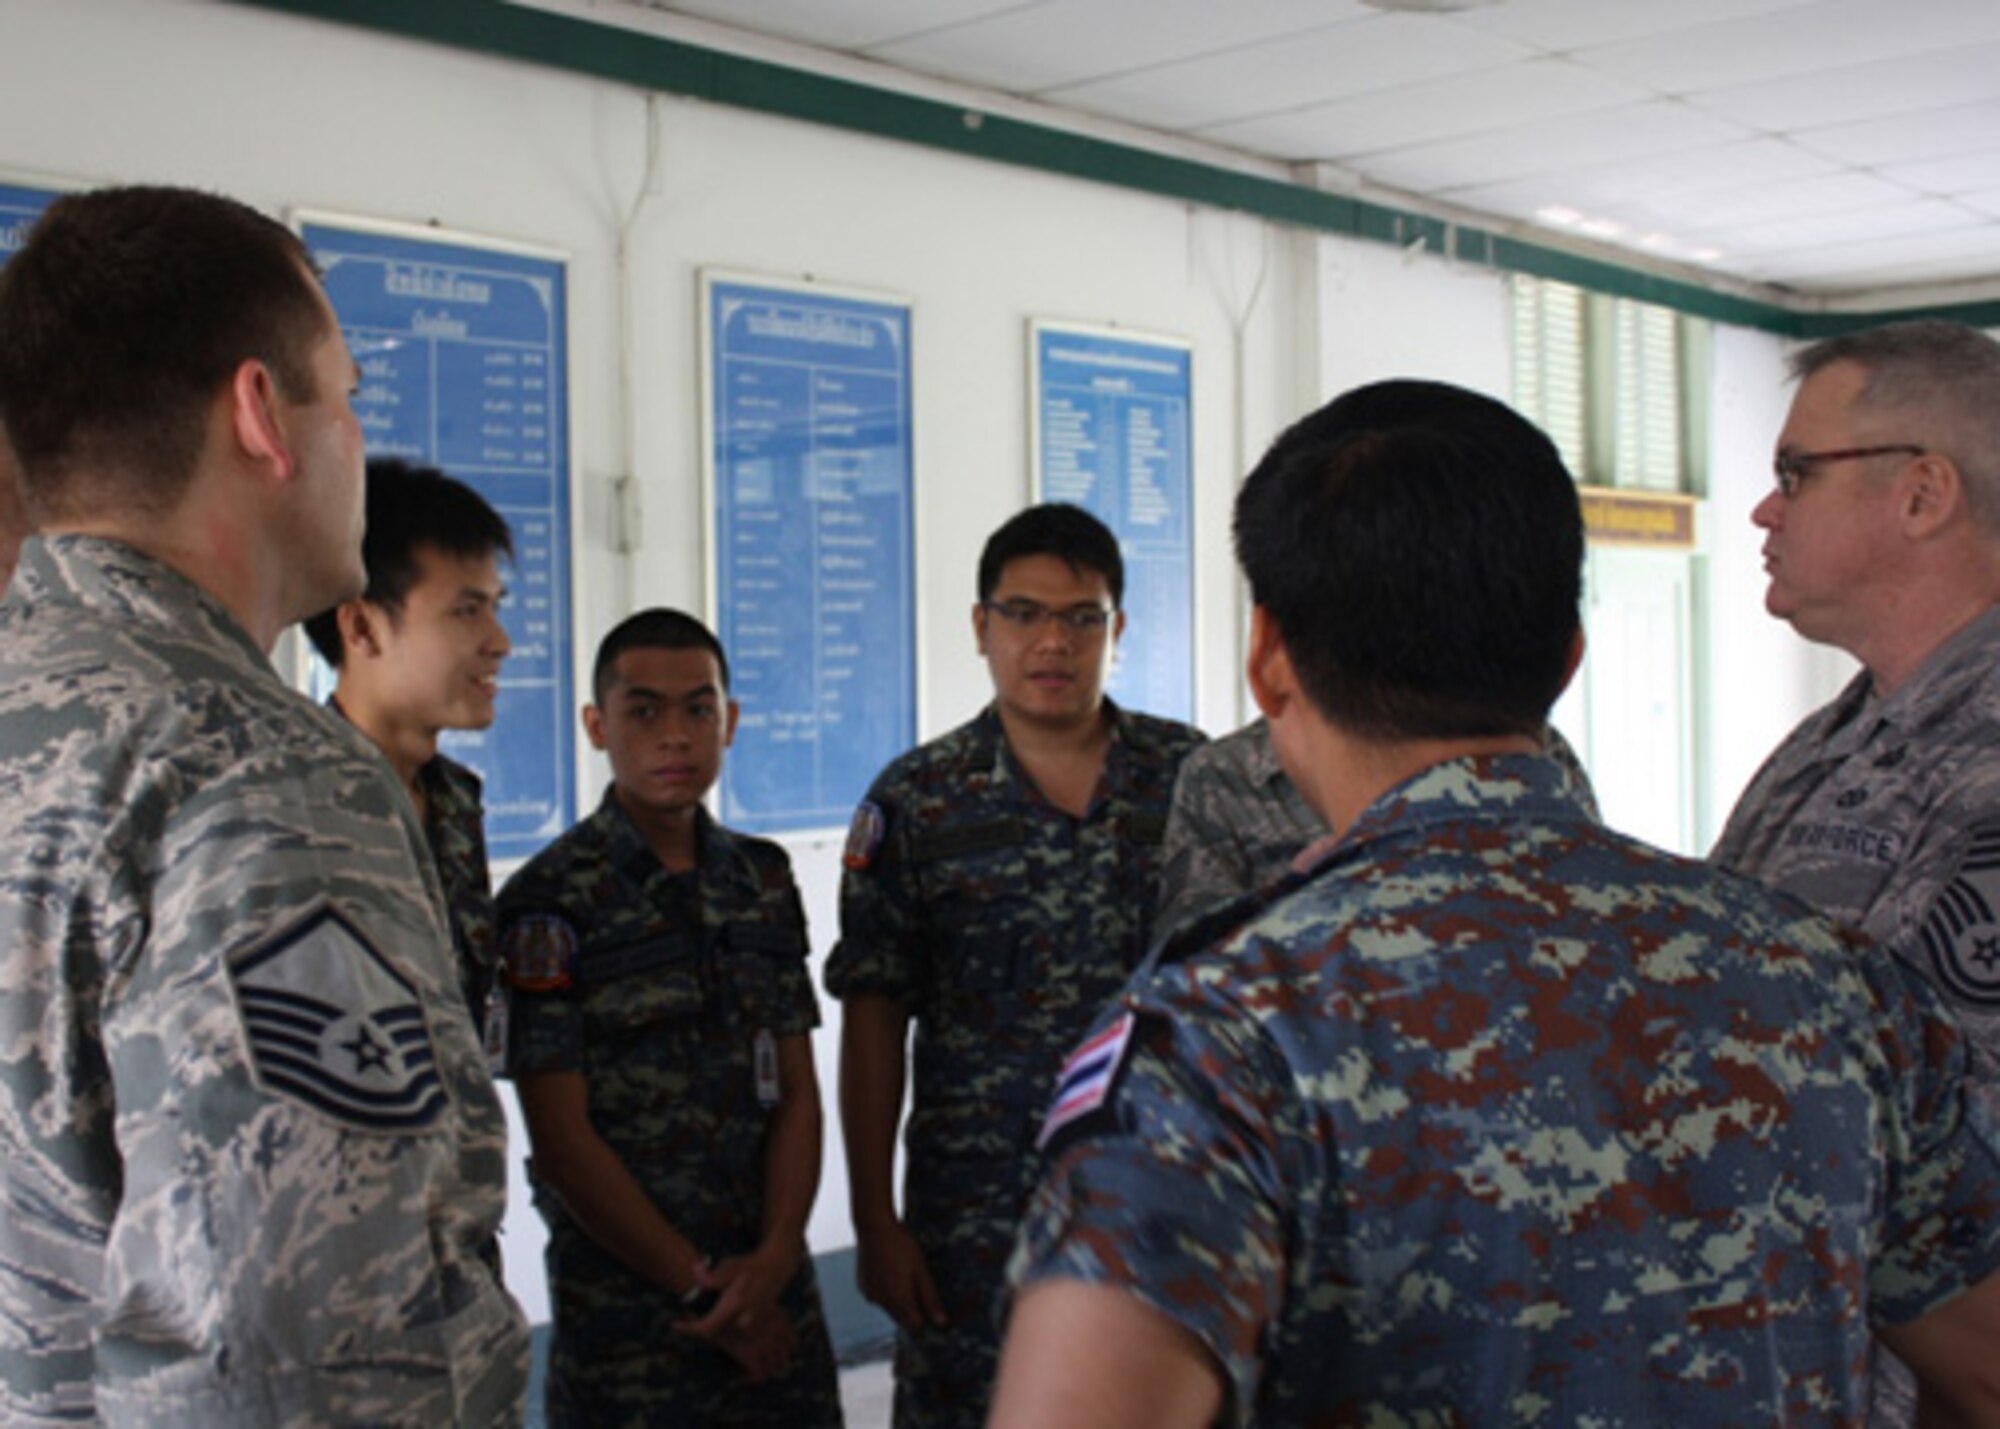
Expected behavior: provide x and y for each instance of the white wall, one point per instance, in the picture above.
(1761, 677)
(284, 112)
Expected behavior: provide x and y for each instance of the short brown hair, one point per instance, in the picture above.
(124, 313)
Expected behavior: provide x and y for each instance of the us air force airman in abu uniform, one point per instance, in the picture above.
(1882, 810)
(1491, 1115)
(997, 890)
(249, 1151)
(1238, 823)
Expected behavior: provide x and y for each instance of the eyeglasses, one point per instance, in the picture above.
(1791, 468)
(1031, 614)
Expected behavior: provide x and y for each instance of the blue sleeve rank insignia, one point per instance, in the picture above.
(539, 951)
(332, 1024)
(1961, 934)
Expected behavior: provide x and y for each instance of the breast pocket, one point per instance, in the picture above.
(978, 900)
(758, 955)
(636, 988)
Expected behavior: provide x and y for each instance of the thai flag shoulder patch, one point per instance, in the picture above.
(1086, 1079)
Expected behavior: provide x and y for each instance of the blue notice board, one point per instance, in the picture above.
(19, 208)
(1113, 435)
(809, 436)
(465, 366)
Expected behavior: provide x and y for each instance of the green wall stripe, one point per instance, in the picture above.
(670, 66)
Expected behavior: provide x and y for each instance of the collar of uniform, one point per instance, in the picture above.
(717, 859)
(449, 785)
(113, 578)
(1480, 788)
(1004, 770)
(1954, 669)
(450, 789)
(1261, 755)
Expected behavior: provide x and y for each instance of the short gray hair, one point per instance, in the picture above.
(1944, 373)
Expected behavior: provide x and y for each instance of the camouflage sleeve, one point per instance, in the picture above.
(1941, 1215)
(800, 1008)
(1175, 1190)
(310, 1149)
(881, 949)
(1204, 860)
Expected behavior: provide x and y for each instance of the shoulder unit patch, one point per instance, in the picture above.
(864, 835)
(539, 951)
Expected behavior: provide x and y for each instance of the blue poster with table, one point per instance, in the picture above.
(463, 350)
(1113, 434)
(20, 206)
(808, 444)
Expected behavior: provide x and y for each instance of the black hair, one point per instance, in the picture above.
(656, 629)
(410, 507)
(1420, 550)
(124, 313)
(1069, 533)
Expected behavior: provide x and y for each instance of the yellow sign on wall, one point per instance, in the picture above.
(1661, 520)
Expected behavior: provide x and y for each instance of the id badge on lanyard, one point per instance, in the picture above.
(764, 1059)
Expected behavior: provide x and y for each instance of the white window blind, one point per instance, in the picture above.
(1646, 452)
(1602, 376)
(1549, 387)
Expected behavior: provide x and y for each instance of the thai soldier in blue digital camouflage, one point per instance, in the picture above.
(997, 887)
(1882, 809)
(660, 1040)
(1238, 823)
(418, 653)
(251, 1152)
(1490, 1116)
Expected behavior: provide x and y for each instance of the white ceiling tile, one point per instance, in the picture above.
(1834, 193)
(1314, 67)
(1627, 135)
(1880, 89)
(1964, 173)
(1911, 217)
(1663, 177)
(1831, 34)
(1828, 144)
(1979, 242)
(1927, 133)
(1029, 49)
(1565, 25)
(844, 25)
(1438, 109)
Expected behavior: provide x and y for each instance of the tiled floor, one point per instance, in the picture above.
(865, 1392)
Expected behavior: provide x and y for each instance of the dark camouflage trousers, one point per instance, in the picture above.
(634, 1370)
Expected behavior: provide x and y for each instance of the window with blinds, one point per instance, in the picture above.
(1603, 377)
(1549, 387)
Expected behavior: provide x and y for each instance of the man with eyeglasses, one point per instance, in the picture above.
(1882, 809)
(996, 894)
